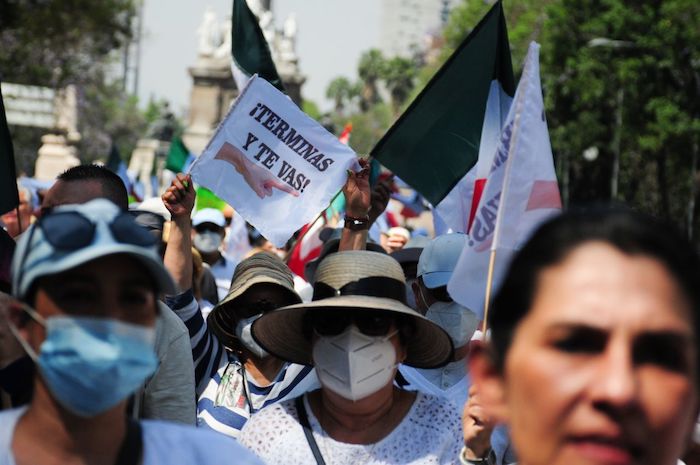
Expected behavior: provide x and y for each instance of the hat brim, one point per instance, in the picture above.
(436, 279)
(281, 333)
(155, 269)
(407, 255)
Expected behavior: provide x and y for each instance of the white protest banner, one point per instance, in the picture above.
(276, 166)
(521, 191)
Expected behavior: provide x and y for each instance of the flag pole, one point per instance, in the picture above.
(504, 196)
(489, 283)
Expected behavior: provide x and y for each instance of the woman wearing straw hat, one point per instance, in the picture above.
(88, 278)
(355, 332)
(234, 376)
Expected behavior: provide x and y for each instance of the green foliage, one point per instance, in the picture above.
(367, 127)
(55, 42)
(370, 69)
(525, 20)
(311, 108)
(649, 79)
(399, 75)
(341, 91)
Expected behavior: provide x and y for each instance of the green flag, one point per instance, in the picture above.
(251, 53)
(178, 156)
(436, 140)
(207, 199)
(9, 196)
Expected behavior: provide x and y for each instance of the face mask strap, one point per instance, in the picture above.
(15, 332)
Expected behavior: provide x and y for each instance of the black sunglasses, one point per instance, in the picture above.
(370, 323)
(72, 230)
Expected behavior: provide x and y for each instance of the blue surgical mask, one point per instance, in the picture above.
(91, 364)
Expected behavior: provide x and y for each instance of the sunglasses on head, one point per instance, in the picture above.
(370, 323)
(72, 230)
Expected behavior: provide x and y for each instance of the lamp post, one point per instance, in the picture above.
(604, 42)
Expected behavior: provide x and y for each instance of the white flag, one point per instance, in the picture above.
(521, 191)
(276, 166)
(455, 211)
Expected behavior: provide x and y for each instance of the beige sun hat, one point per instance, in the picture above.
(356, 280)
(261, 268)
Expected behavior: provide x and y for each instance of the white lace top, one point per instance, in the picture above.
(430, 433)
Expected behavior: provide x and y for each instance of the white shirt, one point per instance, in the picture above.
(169, 443)
(450, 381)
(429, 434)
(223, 272)
(457, 392)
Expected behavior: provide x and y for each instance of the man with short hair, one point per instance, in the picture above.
(169, 393)
(83, 183)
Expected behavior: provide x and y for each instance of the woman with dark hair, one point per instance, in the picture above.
(593, 357)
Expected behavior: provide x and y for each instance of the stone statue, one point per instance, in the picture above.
(267, 25)
(290, 27)
(164, 127)
(223, 51)
(256, 6)
(209, 33)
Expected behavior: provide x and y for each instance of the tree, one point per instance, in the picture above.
(54, 42)
(370, 70)
(623, 76)
(399, 74)
(341, 91)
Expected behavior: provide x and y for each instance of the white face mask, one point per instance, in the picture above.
(244, 335)
(207, 241)
(459, 322)
(354, 365)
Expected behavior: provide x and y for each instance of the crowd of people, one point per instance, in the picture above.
(134, 337)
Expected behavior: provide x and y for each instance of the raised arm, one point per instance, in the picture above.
(357, 205)
(207, 352)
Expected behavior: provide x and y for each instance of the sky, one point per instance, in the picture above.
(332, 34)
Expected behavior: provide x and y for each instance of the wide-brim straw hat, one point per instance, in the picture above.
(261, 268)
(330, 247)
(353, 281)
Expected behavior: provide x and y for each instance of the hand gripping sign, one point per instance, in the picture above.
(276, 166)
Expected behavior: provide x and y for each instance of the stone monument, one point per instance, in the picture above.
(213, 87)
(148, 158)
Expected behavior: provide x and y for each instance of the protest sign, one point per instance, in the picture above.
(276, 166)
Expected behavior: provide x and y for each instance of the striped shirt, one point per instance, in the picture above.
(226, 395)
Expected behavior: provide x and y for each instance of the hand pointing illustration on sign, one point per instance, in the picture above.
(258, 178)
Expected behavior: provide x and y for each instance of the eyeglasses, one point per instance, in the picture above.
(370, 323)
(72, 230)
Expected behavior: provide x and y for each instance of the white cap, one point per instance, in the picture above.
(439, 259)
(209, 215)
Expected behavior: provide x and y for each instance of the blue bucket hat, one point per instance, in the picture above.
(72, 235)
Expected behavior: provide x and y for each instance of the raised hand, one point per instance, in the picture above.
(477, 426)
(357, 192)
(179, 197)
